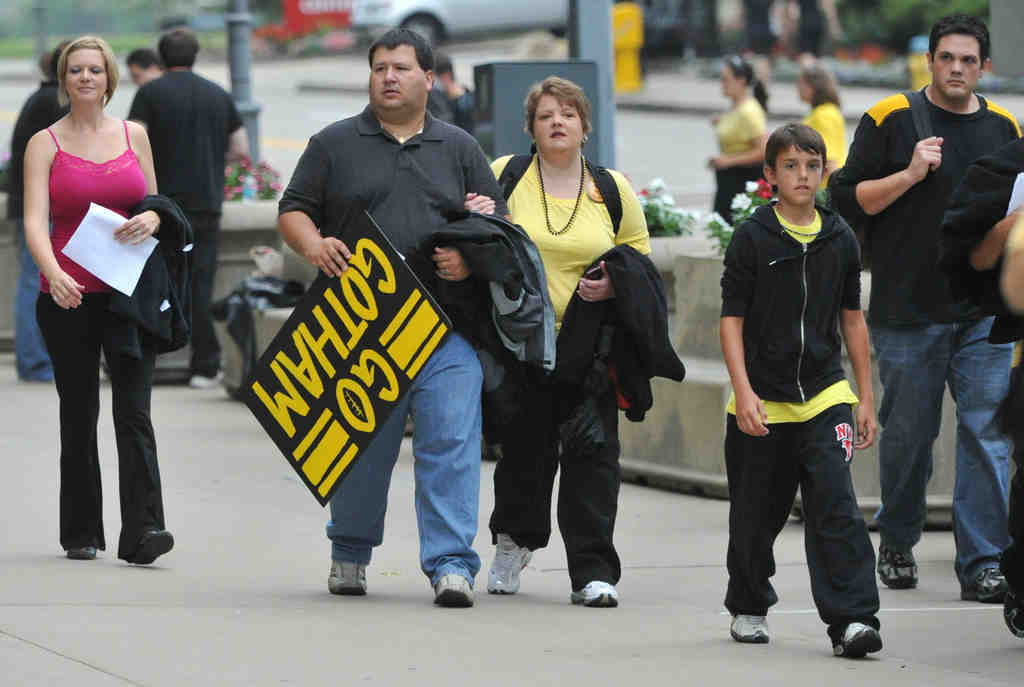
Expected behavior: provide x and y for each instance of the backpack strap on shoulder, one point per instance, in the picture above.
(513, 172)
(919, 113)
(609, 190)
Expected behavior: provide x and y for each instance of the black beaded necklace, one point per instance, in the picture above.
(544, 198)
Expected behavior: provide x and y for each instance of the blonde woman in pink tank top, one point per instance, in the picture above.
(90, 157)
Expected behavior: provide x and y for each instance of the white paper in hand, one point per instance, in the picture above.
(1017, 195)
(94, 247)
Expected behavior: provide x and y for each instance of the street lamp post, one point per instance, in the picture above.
(39, 19)
(239, 23)
(590, 38)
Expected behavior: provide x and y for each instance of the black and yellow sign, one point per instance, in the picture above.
(342, 361)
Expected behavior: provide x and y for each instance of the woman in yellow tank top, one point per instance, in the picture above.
(817, 87)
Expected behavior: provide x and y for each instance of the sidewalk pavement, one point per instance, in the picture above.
(242, 598)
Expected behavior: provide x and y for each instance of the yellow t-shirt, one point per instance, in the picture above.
(828, 121)
(739, 126)
(833, 395)
(566, 255)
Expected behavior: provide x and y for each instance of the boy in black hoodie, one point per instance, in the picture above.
(792, 272)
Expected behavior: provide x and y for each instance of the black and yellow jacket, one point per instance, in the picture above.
(789, 295)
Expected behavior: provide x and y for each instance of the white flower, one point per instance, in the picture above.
(666, 198)
(740, 202)
(751, 187)
(656, 186)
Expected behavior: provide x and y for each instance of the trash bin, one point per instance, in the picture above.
(628, 39)
(917, 63)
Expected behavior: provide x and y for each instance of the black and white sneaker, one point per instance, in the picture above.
(1013, 613)
(897, 569)
(988, 587)
(858, 641)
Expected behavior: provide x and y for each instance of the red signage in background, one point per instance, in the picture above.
(302, 16)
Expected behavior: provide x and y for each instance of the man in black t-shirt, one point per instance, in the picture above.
(193, 126)
(39, 111)
(897, 186)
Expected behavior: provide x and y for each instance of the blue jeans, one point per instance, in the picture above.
(445, 404)
(915, 364)
(31, 358)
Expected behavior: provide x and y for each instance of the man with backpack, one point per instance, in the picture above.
(908, 155)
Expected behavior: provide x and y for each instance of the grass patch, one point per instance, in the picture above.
(212, 42)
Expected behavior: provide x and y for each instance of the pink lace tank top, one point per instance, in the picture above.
(117, 184)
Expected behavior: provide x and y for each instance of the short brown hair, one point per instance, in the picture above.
(823, 85)
(565, 92)
(87, 43)
(799, 136)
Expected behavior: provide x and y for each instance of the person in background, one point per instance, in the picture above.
(791, 283)
(895, 185)
(144, 66)
(40, 111)
(195, 128)
(741, 134)
(460, 98)
(90, 157)
(817, 87)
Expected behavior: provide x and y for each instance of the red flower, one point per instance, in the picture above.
(765, 193)
(643, 192)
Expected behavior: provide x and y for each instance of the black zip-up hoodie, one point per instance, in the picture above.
(790, 295)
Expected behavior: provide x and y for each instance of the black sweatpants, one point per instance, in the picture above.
(1012, 559)
(74, 338)
(588, 490)
(764, 473)
(205, 348)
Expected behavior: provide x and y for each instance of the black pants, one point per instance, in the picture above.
(729, 182)
(588, 491)
(74, 339)
(764, 473)
(1012, 560)
(205, 349)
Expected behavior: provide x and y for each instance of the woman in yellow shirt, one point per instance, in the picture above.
(817, 87)
(741, 134)
(559, 206)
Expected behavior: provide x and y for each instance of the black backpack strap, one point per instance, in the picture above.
(513, 172)
(919, 113)
(609, 190)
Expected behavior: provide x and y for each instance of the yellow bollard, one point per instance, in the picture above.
(628, 38)
(917, 63)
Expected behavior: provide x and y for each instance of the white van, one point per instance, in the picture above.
(441, 20)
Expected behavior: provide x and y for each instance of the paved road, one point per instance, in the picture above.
(242, 599)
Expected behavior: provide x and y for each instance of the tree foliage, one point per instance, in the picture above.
(893, 22)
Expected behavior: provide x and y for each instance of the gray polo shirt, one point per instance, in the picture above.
(354, 164)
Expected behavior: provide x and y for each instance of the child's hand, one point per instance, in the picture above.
(866, 426)
(751, 415)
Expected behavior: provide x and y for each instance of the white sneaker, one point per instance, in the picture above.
(596, 594)
(453, 591)
(509, 560)
(858, 641)
(203, 382)
(750, 629)
(347, 579)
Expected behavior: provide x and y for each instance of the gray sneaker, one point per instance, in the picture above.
(509, 560)
(750, 629)
(858, 641)
(897, 569)
(596, 594)
(988, 587)
(347, 579)
(453, 591)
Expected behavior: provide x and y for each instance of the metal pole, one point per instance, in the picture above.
(39, 19)
(239, 23)
(590, 38)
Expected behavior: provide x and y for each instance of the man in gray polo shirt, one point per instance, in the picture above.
(405, 167)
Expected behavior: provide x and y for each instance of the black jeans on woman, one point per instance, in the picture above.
(731, 181)
(74, 338)
(588, 491)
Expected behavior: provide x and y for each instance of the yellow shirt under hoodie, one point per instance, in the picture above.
(840, 392)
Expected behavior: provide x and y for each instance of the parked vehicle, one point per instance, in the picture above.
(441, 20)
